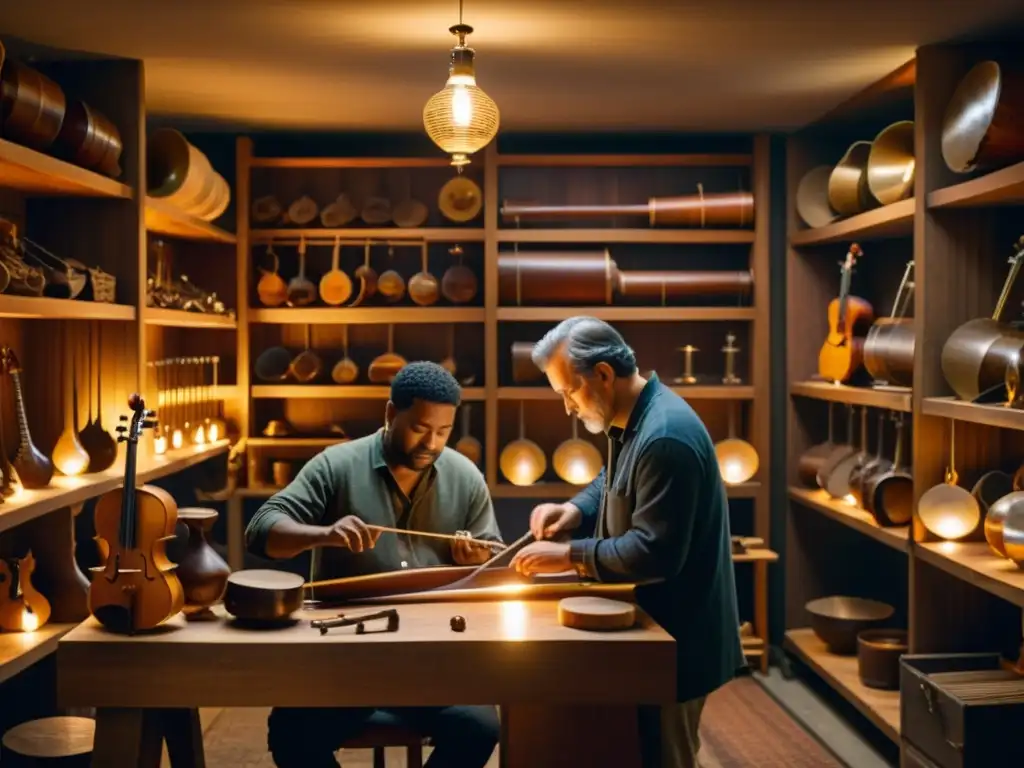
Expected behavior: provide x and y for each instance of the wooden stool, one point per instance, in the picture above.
(50, 741)
(379, 736)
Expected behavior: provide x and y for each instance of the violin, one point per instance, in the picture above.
(22, 608)
(136, 588)
(849, 318)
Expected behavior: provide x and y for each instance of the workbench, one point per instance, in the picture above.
(567, 696)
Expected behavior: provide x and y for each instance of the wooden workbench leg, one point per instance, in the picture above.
(127, 738)
(534, 736)
(184, 735)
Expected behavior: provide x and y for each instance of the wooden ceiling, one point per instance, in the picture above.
(701, 65)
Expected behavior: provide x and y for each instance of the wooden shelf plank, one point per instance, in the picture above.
(851, 516)
(294, 442)
(565, 491)
(894, 220)
(759, 555)
(975, 563)
(34, 173)
(366, 315)
(609, 235)
(339, 392)
(67, 491)
(349, 162)
(881, 707)
(178, 318)
(43, 308)
(626, 314)
(1002, 187)
(841, 393)
(430, 234)
(625, 161)
(164, 219)
(20, 650)
(990, 415)
(690, 392)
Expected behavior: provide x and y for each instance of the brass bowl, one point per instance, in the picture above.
(812, 197)
(848, 191)
(890, 169)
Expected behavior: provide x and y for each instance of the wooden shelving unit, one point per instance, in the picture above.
(164, 219)
(841, 393)
(958, 230)
(881, 707)
(178, 318)
(33, 173)
(101, 222)
(893, 220)
(486, 327)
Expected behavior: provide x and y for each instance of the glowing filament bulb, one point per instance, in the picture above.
(462, 106)
(213, 433)
(160, 444)
(199, 436)
(177, 439)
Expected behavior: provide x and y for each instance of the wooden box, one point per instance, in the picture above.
(951, 732)
(912, 758)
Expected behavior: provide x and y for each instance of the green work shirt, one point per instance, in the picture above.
(353, 479)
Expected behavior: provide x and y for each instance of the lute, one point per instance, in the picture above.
(849, 318)
(33, 468)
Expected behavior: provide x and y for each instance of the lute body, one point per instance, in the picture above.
(33, 468)
(22, 607)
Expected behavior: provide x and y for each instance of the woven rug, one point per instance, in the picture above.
(742, 727)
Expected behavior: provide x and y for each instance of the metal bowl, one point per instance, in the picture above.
(837, 620)
(890, 169)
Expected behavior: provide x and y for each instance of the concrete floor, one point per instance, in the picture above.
(822, 722)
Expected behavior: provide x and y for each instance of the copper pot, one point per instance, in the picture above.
(984, 122)
(889, 352)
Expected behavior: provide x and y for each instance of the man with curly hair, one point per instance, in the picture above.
(402, 476)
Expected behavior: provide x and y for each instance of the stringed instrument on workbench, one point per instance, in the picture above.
(849, 318)
(137, 587)
(22, 607)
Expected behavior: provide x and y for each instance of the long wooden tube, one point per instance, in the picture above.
(704, 209)
(660, 284)
(553, 278)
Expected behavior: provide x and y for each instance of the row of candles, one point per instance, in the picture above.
(188, 402)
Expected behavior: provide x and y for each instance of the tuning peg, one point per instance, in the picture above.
(121, 438)
(148, 424)
(120, 429)
(123, 417)
(149, 414)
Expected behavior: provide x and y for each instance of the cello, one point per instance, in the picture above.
(136, 588)
(849, 319)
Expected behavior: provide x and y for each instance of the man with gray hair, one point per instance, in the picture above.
(658, 513)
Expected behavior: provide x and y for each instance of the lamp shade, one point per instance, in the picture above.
(460, 118)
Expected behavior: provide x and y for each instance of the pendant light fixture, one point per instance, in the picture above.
(460, 118)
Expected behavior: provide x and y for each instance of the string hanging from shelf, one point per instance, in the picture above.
(460, 118)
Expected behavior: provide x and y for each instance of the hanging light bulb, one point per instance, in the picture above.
(460, 118)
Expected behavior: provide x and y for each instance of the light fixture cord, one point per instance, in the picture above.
(460, 11)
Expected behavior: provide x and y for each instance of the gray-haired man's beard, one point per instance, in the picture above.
(593, 426)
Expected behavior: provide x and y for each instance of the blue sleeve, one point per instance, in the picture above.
(589, 501)
(668, 481)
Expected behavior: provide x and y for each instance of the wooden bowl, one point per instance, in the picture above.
(878, 657)
(263, 595)
(837, 620)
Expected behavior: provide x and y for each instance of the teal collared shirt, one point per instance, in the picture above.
(353, 479)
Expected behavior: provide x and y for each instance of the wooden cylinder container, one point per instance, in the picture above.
(665, 284)
(556, 278)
